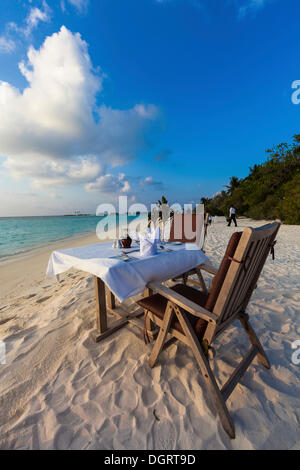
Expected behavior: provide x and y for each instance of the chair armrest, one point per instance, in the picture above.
(209, 268)
(183, 302)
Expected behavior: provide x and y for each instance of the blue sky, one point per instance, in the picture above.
(151, 97)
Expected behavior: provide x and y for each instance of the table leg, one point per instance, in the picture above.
(110, 299)
(148, 292)
(101, 315)
(106, 304)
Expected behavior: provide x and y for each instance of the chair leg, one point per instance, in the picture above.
(163, 331)
(201, 281)
(261, 355)
(216, 395)
(150, 328)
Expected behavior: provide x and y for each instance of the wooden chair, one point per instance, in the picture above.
(196, 318)
(190, 228)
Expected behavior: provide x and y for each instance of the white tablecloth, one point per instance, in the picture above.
(126, 278)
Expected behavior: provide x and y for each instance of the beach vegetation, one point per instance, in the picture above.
(271, 190)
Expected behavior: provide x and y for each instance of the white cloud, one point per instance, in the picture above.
(149, 181)
(122, 183)
(34, 17)
(109, 184)
(44, 172)
(121, 133)
(251, 6)
(53, 131)
(7, 45)
(80, 5)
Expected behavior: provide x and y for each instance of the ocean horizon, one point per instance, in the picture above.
(24, 233)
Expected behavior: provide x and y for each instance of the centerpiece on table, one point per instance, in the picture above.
(126, 241)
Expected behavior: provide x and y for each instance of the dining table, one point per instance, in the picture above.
(121, 274)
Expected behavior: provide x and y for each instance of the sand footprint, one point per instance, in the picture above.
(126, 426)
(125, 400)
(149, 396)
(178, 391)
(57, 400)
(83, 372)
(164, 435)
(82, 440)
(113, 373)
(90, 413)
(63, 438)
(142, 376)
(69, 418)
(105, 434)
(80, 397)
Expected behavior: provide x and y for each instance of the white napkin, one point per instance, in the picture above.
(166, 230)
(148, 242)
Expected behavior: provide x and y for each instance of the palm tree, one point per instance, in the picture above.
(204, 200)
(162, 201)
(162, 207)
(234, 182)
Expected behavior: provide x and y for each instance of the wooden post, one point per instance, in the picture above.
(163, 332)
(261, 355)
(148, 292)
(151, 328)
(110, 299)
(101, 315)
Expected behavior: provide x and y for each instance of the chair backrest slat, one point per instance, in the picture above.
(238, 290)
(244, 270)
(227, 289)
(269, 243)
(255, 253)
(242, 286)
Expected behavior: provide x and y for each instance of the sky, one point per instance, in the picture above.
(139, 98)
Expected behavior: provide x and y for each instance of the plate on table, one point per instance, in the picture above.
(131, 249)
(122, 257)
(163, 248)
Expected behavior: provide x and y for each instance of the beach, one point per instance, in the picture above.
(22, 272)
(61, 390)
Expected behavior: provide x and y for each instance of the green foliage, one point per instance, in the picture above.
(291, 201)
(162, 201)
(233, 184)
(271, 190)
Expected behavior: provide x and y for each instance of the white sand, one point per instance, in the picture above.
(60, 390)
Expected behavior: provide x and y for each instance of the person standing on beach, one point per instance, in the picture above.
(232, 216)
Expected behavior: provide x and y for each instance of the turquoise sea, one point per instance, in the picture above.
(21, 234)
